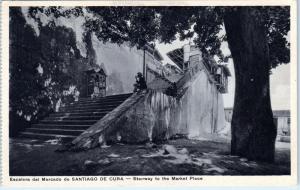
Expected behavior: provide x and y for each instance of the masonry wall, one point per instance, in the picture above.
(204, 106)
(121, 64)
(198, 114)
(151, 115)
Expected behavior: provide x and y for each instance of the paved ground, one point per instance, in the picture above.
(175, 157)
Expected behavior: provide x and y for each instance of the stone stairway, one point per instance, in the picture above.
(74, 119)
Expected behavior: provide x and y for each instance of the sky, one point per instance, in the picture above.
(279, 79)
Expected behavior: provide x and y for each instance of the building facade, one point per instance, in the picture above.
(121, 63)
(228, 114)
(191, 105)
(202, 108)
(185, 98)
(281, 119)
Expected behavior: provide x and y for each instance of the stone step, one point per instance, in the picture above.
(122, 96)
(109, 96)
(71, 132)
(60, 126)
(62, 118)
(70, 114)
(90, 108)
(111, 104)
(64, 138)
(68, 122)
(74, 119)
(98, 101)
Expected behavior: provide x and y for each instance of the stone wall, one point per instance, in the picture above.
(121, 64)
(153, 116)
(197, 114)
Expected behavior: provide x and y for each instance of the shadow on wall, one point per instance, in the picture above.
(114, 84)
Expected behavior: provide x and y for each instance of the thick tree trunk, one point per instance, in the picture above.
(253, 130)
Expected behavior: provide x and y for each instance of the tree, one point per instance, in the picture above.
(253, 130)
(256, 38)
(42, 69)
(25, 82)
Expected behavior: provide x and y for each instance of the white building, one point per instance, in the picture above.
(281, 119)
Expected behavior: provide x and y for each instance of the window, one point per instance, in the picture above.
(288, 120)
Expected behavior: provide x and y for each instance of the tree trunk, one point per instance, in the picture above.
(252, 127)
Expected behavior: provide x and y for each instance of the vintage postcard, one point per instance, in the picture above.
(156, 93)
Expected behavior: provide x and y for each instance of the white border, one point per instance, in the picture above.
(207, 180)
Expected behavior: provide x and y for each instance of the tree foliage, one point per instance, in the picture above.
(141, 25)
(42, 68)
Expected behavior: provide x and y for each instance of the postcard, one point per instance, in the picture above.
(156, 93)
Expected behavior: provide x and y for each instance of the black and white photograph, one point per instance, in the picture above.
(180, 91)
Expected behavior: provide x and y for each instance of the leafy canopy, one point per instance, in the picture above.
(35, 92)
(141, 25)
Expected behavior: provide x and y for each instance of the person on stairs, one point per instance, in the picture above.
(140, 83)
